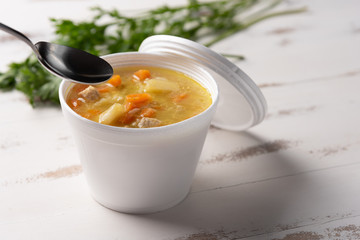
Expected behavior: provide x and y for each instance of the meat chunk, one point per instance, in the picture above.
(90, 93)
(146, 122)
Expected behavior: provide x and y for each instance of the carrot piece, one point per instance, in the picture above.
(93, 112)
(130, 116)
(138, 97)
(103, 88)
(142, 74)
(90, 113)
(136, 100)
(131, 105)
(148, 112)
(180, 97)
(115, 80)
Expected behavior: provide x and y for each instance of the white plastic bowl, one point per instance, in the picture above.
(142, 170)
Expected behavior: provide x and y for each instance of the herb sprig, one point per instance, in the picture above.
(110, 31)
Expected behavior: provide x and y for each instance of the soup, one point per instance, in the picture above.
(140, 97)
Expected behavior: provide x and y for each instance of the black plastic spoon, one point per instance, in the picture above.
(66, 62)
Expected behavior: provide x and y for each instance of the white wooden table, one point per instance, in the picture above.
(296, 176)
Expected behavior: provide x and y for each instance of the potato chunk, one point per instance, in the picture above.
(112, 113)
(160, 85)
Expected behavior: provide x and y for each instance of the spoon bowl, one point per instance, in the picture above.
(67, 62)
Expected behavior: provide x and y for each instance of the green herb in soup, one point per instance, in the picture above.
(140, 97)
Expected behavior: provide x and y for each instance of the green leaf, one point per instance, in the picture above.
(49, 91)
(7, 80)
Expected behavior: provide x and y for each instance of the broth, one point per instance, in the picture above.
(140, 97)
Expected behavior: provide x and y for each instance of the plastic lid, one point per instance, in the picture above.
(241, 103)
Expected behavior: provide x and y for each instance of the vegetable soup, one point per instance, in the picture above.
(140, 97)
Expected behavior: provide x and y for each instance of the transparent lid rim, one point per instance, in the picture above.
(160, 44)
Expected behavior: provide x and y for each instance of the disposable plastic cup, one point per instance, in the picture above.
(147, 170)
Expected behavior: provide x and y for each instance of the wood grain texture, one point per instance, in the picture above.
(293, 177)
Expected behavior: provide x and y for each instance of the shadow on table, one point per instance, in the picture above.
(240, 203)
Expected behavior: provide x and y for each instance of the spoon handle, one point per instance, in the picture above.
(19, 35)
